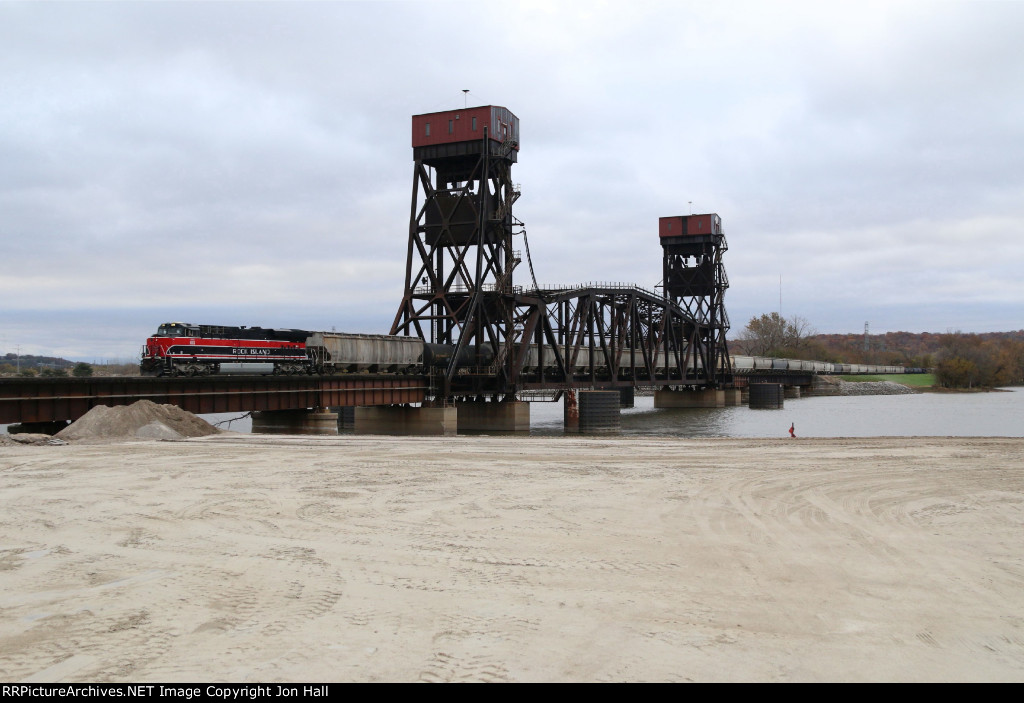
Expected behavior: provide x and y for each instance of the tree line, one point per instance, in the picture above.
(958, 360)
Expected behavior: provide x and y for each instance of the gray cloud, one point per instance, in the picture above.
(249, 163)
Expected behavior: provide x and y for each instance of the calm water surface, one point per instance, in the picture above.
(996, 414)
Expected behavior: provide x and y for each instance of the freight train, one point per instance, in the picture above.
(184, 349)
(181, 349)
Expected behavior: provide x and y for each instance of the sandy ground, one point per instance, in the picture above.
(256, 558)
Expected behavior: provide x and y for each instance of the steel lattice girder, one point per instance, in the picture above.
(600, 337)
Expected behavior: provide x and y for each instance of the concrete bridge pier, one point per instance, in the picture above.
(305, 421)
(704, 398)
(481, 416)
(733, 397)
(792, 391)
(406, 420)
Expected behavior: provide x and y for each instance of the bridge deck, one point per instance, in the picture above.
(50, 399)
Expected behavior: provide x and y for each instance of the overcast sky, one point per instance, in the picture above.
(250, 163)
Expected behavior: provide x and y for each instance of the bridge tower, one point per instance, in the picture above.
(458, 275)
(694, 279)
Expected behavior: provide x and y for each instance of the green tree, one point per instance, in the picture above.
(82, 370)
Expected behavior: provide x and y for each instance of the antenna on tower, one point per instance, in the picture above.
(465, 98)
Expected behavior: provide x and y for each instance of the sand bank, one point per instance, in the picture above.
(256, 558)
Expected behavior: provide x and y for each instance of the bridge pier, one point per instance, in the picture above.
(733, 397)
(791, 391)
(346, 417)
(705, 398)
(592, 412)
(627, 397)
(405, 420)
(508, 416)
(315, 421)
(768, 396)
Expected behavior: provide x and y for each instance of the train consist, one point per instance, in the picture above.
(182, 349)
(765, 364)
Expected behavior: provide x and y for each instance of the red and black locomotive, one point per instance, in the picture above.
(182, 349)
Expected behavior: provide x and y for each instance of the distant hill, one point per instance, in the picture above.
(31, 364)
(31, 361)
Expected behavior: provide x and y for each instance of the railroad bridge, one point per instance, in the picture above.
(521, 341)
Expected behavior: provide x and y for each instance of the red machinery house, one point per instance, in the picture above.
(196, 350)
(689, 225)
(465, 125)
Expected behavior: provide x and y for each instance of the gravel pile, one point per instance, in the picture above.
(141, 420)
(873, 388)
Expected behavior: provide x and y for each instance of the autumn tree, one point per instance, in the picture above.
(969, 361)
(772, 334)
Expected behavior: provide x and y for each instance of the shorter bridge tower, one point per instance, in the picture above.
(694, 279)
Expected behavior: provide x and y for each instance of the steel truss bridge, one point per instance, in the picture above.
(508, 340)
(459, 288)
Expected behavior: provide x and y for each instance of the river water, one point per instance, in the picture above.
(995, 414)
(998, 413)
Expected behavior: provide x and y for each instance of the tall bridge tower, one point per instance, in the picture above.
(694, 279)
(458, 276)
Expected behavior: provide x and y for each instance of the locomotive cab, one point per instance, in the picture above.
(177, 329)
